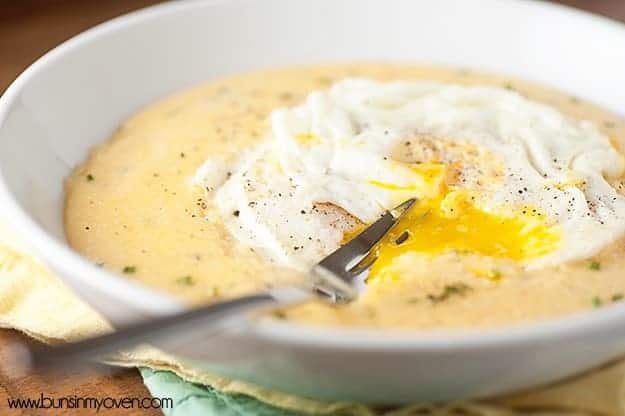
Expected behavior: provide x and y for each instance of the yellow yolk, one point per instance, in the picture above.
(307, 139)
(428, 181)
(429, 171)
(493, 275)
(394, 187)
(452, 222)
(574, 180)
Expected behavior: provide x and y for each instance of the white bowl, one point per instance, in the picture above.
(75, 96)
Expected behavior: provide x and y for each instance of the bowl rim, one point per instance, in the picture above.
(151, 303)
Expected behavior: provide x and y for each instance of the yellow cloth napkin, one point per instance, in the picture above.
(35, 302)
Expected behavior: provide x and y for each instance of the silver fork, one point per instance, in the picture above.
(333, 280)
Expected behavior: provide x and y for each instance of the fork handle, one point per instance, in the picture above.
(214, 317)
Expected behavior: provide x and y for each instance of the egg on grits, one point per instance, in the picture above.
(245, 183)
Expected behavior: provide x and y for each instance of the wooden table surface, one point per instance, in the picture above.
(29, 28)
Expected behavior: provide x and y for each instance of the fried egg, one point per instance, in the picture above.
(495, 174)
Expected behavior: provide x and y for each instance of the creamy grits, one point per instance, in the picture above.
(146, 204)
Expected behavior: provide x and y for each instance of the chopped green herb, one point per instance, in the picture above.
(450, 290)
(129, 269)
(594, 265)
(371, 313)
(508, 86)
(185, 280)
(596, 301)
(325, 81)
(285, 96)
(278, 314)
(100, 264)
(616, 297)
(495, 275)
(90, 177)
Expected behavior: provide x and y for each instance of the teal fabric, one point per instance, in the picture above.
(197, 400)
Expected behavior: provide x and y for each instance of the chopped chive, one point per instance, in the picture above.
(495, 274)
(325, 81)
(129, 269)
(279, 314)
(185, 280)
(459, 289)
(596, 301)
(594, 265)
(285, 96)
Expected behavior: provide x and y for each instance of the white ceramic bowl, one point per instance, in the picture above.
(73, 98)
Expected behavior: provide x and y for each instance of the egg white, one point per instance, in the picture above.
(337, 148)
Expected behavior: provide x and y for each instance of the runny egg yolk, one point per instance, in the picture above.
(451, 221)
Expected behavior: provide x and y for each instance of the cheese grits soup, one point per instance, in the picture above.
(244, 183)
